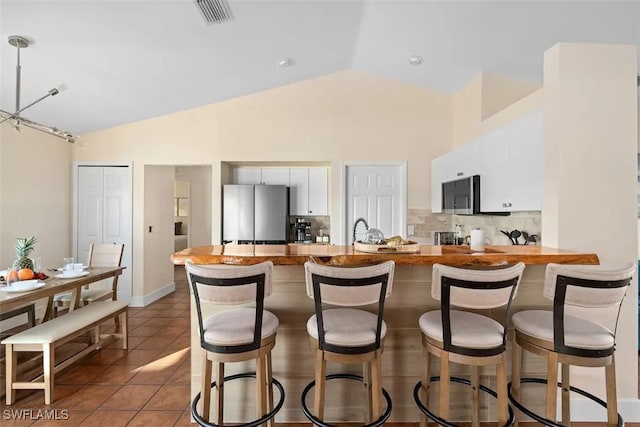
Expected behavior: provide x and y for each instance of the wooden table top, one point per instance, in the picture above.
(10, 300)
(346, 255)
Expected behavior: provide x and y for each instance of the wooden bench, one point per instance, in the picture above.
(46, 336)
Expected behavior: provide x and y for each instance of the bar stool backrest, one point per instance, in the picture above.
(352, 286)
(105, 255)
(587, 286)
(231, 285)
(478, 289)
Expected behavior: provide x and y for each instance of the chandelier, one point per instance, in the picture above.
(15, 119)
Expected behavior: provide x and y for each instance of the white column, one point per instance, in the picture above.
(590, 148)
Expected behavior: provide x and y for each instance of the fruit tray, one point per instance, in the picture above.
(409, 248)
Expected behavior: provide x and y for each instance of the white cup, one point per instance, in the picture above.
(78, 266)
(477, 240)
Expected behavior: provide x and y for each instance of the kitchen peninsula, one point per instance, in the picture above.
(293, 361)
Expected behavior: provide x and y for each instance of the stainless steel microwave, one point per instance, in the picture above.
(462, 197)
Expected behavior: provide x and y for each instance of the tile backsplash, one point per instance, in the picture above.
(425, 223)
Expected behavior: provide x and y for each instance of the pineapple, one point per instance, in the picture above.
(24, 247)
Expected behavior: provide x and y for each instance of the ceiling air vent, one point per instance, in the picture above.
(214, 11)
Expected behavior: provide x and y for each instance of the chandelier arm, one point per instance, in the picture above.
(42, 128)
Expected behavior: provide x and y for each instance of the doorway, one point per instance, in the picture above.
(375, 191)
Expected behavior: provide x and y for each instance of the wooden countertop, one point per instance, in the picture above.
(346, 255)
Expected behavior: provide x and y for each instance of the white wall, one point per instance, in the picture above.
(158, 241)
(35, 194)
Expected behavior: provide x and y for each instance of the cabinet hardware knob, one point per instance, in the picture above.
(460, 173)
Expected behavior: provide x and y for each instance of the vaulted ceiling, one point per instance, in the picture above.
(123, 61)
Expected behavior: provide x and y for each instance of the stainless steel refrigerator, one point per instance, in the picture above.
(255, 214)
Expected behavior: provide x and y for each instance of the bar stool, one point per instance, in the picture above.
(571, 339)
(466, 337)
(235, 335)
(348, 335)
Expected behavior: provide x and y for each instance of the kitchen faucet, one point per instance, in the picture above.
(359, 220)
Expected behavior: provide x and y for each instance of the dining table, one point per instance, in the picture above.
(57, 285)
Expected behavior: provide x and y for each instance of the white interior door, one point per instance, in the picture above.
(104, 215)
(376, 193)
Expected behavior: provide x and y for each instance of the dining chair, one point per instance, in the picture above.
(100, 255)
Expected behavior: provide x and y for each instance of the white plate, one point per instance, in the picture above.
(84, 267)
(71, 274)
(23, 286)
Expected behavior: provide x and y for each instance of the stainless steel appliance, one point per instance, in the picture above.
(255, 214)
(444, 238)
(462, 197)
(301, 232)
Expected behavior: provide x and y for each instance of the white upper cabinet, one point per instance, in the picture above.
(318, 191)
(275, 176)
(308, 191)
(494, 176)
(511, 178)
(463, 162)
(438, 176)
(247, 176)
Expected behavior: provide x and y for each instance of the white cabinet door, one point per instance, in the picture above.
(525, 162)
(318, 191)
(463, 162)
(299, 191)
(438, 176)
(494, 171)
(247, 176)
(275, 176)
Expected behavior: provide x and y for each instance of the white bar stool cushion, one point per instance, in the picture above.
(235, 327)
(468, 329)
(578, 332)
(347, 327)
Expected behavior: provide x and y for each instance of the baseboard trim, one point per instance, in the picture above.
(145, 300)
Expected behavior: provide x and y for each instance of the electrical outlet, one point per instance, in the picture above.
(411, 230)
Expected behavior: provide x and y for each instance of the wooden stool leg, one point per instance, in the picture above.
(552, 385)
(219, 393)
(444, 385)
(321, 371)
(11, 369)
(205, 389)
(475, 396)
(366, 382)
(124, 329)
(261, 398)
(612, 402)
(566, 408)
(48, 364)
(376, 385)
(516, 372)
(426, 384)
(501, 390)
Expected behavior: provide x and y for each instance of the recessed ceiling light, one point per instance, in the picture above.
(285, 63)
(416, 60)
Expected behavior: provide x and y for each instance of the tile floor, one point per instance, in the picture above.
(148, 385)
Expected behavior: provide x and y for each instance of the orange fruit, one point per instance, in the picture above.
(25, 274)
(12, 275)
